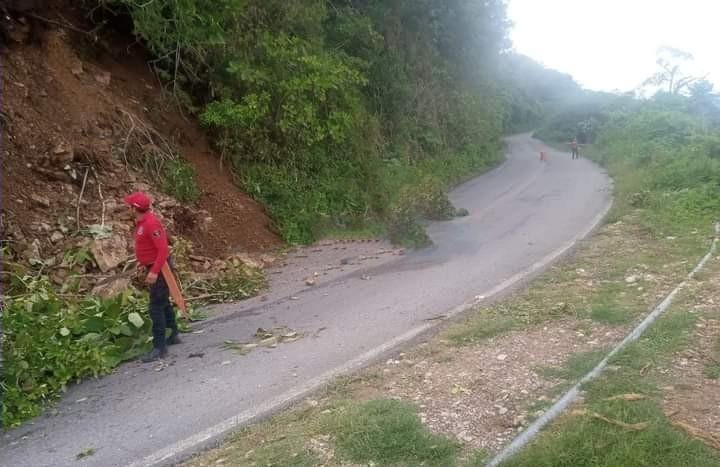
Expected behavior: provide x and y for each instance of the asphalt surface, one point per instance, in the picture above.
(523, 215)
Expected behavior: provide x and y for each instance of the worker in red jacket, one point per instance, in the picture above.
(152, 251)
(574, 147)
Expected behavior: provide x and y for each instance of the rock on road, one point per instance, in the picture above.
(522, 215)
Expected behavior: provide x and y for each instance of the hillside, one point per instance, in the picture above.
(341, 118)
(80, 121)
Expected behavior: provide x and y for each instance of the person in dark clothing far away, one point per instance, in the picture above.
(152, 252)
(574, 146)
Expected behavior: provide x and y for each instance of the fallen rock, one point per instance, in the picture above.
(77, 68)
(247, 261)
(40, 200)
(109, 252)
(103, 78)
(632, 279)
(62, 148)
(32, 252)
(59, 276)
(56, 175)
(112, 288)
(168, 203)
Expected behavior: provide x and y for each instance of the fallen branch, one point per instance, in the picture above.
(632, 397)
(708, 438)
(102, 199)
(628, 426)
(203, 297)
(79, 201)
(152, 150)
(67, 25)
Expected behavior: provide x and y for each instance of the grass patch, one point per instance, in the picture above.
(609, 314)
(668, 335)
(712, 371)
(377, 432)
(584, 440)
(389, 432)
(577, 366)
(281, 442)
(482, 326)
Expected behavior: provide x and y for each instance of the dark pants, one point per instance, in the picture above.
(161, 312)
(575, 153)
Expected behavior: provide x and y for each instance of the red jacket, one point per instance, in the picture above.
(151, 243)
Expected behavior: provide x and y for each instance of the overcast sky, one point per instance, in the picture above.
(611, 44)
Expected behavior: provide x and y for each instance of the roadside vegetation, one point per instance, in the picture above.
(54, 337)
(662, 154)
(341, 117)
(359, 116)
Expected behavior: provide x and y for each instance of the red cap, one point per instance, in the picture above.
(138, 200)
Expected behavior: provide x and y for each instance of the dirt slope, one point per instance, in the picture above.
(70, 108)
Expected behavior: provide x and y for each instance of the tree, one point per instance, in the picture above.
(704, 101)
(671, 79)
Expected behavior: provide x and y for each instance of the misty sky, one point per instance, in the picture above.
(611, 44)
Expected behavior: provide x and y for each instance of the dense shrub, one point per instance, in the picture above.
(312, 101)
(52, 340)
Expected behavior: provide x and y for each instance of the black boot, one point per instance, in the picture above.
(155, 355)
(174, 338)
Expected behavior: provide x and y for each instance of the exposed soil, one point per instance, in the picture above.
(69, 108)
(481, 394)
(691, 396)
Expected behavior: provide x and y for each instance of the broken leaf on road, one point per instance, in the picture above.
(264, 338)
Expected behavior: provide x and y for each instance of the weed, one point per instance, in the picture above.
(609, 314)
(480, 326)
(578, 441)
(51, 339)
(388, 432)
(179, 181)
(577, 366)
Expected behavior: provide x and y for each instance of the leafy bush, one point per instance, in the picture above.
(663, 162)
(312, 101)
(389, 432)
(180, 181)
(51, 340)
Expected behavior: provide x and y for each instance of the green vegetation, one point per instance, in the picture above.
(52, 339)
(56, 336)
(340, 431)
(388, 432)
(577, 366)
(179, 181)
(584, 439)
(336, 114)
(663, 155)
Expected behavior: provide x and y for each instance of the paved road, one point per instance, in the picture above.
(522, 215)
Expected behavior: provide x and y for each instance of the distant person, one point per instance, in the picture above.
(574, 146)
(152, 252)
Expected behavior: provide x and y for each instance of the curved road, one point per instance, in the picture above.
(523, 215)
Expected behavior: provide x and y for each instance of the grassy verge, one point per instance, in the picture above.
(612, 280)
(480, 381)
(623, 420)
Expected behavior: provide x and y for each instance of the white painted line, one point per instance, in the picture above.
(175, 451)
(569, 397)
